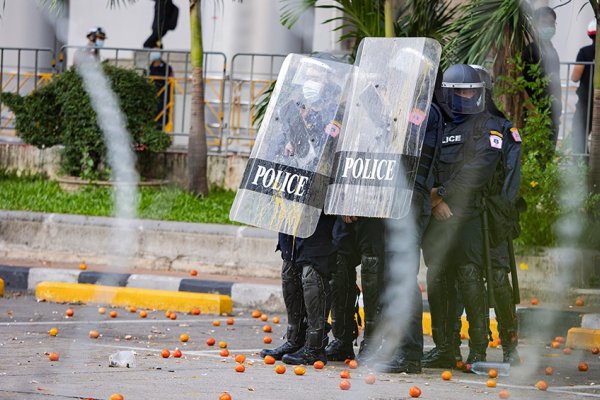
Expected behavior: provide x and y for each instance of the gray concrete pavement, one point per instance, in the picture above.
(82, 371)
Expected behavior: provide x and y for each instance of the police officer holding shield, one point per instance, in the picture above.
(453, 243)
(308, 262)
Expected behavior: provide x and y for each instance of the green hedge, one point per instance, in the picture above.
(61, 113)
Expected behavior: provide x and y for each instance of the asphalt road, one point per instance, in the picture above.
(201, 373)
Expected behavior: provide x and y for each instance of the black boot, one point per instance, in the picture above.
(506, 316)
(371, 272)
(343, 322)
(291, 284)
(441, 295)
(315, 289)
(472, 290)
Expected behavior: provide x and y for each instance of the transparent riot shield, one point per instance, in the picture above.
(285, 182)
(384, 126)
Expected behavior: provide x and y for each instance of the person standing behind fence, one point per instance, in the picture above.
(160, 73)
(95, 37)
(542, 52)
(582, 120)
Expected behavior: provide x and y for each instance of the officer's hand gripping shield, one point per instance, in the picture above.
(384, 126)
(284, 185)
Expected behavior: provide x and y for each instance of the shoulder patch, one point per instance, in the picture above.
(416, 117)
(515, 134)
(496, 133)
(496, 141)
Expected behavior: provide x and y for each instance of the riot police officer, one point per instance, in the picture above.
(407, 357)
(501, 256)
(361, 241)
(453, 242)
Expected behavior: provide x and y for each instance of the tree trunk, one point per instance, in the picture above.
(388, 15)
(595, 143)
(197, 149)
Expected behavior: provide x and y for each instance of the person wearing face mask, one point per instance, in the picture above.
(453, 243)
(160, 72)
(96, 37)
(541, 51)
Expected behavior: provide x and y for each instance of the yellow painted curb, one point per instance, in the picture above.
(464, 329)
(1, 287)
(141, 298)
(583, 338)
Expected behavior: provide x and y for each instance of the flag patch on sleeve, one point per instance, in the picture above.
(515, 134)
(496, 142)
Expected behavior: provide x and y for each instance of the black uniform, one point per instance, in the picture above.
(453, 249)
(582, 119)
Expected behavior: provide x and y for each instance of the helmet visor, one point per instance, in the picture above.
(464, 100)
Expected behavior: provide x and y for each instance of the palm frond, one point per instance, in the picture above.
(292, 10)
(490, 27)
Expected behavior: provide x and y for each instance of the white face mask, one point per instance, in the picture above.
(154, 55)
(99, 43)
(312, 91)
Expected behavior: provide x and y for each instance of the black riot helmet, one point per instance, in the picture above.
(463, 89)
(484, 75)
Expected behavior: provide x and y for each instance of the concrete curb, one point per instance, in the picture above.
(126, 297)
(266, 297)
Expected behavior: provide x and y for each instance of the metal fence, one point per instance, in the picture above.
(21, 71)
(230, 98)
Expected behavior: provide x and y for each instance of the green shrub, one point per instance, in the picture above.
(61, 113)
(543, 170)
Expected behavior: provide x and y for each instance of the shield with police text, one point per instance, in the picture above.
(383, 129)
(285, 182)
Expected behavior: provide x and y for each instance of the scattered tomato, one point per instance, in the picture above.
(345, 374)
(216, 322)
(195, 311)
(267, 339)
(370, 379)
(345, 385)
(460, 365)
(113, 314)
(299, 370)
(165, 353)
(101, 310)
(319, 365)
(560, 339)
(491, 383)
(223, 344)
(567, 351)
(446, 375)
(184, 337)
(53, 356)
(173, 316)
(504, 394)
(82, 266)
(583, 366)
(53, 331)
(275, 320)
(267, 329)
(534, 301)
(194, 272)
(579, 302)
(353, 364)
(256, 314)
(116, 396)
(595, 350)
(269, 360)
(492, 373)
(132, 309)
(414, 391)
(224, 396)
(230, 321)
(555, 344)
(69, 313)
(224, 353)
(541, 385)
(549, 370)
(264, 317)
(94, 334)
(210, 341)
(177, 353)
(280, 369)
(240, 368)
(240, 358)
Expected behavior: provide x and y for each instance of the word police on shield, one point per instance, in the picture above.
(383, 129)
(285, 182)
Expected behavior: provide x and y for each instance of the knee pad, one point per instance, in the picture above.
(469, 273)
